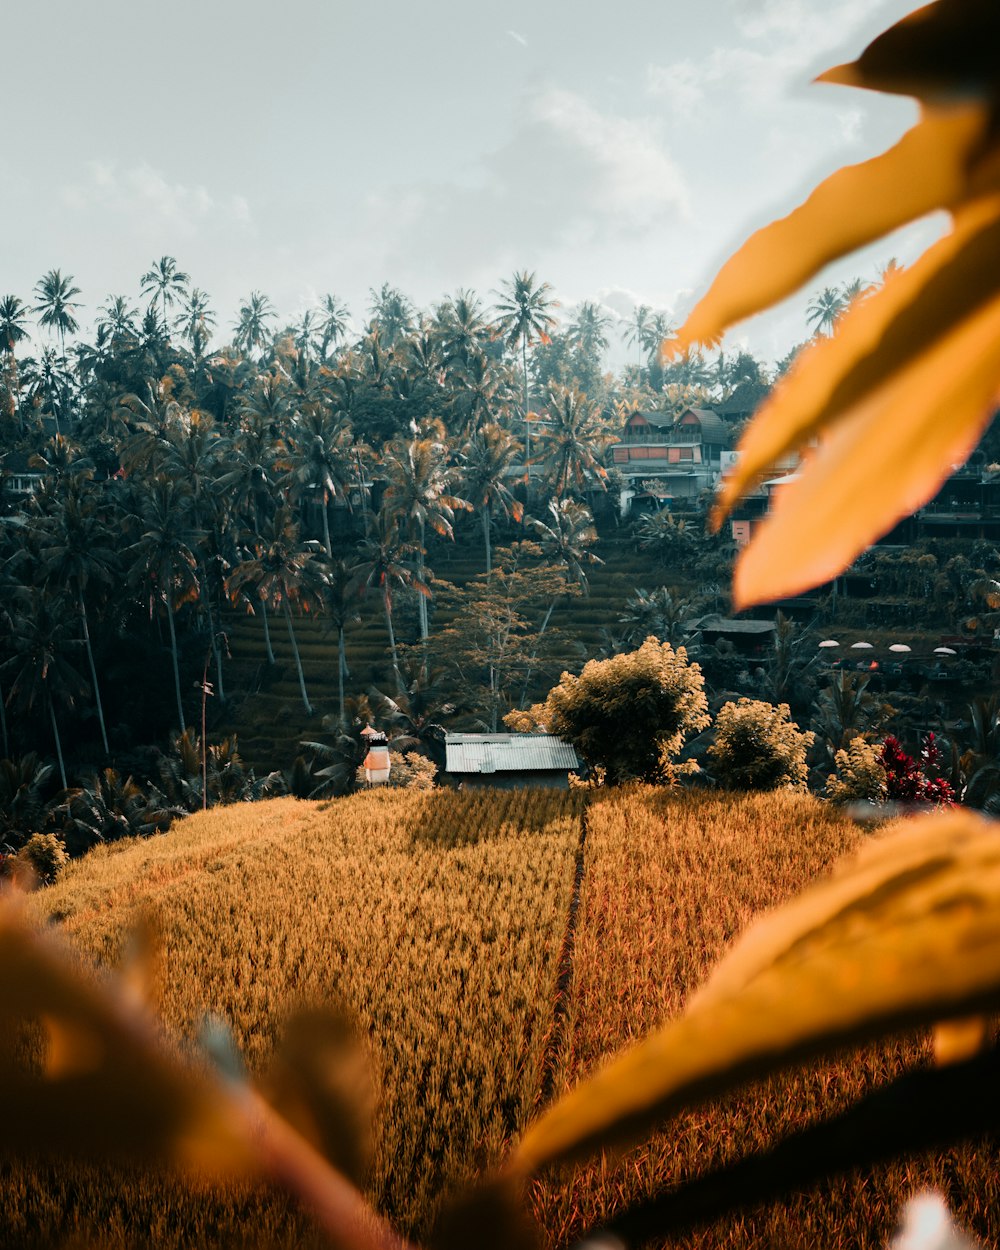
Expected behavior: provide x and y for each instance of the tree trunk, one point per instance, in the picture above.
(267, 632)
(205, 593)
(298, 661)
(58, 741)
(341, 673)
(93, 669)
(3, 727)
(486, 540)
(422, 598)
(326, 530)
(527, 430)
(177, 668)
(392, 638)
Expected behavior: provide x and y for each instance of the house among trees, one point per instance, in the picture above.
(663, 459)
(508, 761)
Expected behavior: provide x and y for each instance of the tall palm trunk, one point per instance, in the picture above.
(487, 518)
(206, 599)
(177, 667)
(341, 674)
(298, 659)
(387, 604)
(58, 742)
(267, 632)
(527, 429)
(3, 727)
(326, 530)
(93, 669)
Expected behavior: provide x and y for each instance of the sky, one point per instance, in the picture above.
(619, 151)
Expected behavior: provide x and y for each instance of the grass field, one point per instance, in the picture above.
(439, 919)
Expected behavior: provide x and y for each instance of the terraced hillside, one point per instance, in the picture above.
(270, 719)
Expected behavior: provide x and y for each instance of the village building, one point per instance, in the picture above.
(663, 461)
(508, 761)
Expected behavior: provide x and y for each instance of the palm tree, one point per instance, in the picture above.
(637, 329)
(162, 559)
(316, 456)
(417, 479)
(282, 570)
(525, 316)
(462, 330)
(384, 565)
(13, 316)
(196, 321)
(488, 458)
(76, 551)
(825, 308)
(252, 327)
(166, 283)
(117, 319)
(340, 601)
(588, 331)
(42, 675)
(565, 539)
(571, 434)
(55, 305)
(392, 312)
(334, 322)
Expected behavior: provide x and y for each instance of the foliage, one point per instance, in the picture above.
(860, 775)
(629, 715)
(412, 771)
(918, 355)
(44, 855)
(758, 747)
(911, 781)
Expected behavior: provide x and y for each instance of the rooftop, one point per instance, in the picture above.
(504, 753)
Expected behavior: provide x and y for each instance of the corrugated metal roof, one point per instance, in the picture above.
(504, 753)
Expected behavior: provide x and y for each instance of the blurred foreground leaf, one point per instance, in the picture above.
(903, 389)
(922, 1111)
(905, 934)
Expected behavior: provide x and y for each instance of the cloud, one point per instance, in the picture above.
(143, 200)
(568, 176)
(518, 38)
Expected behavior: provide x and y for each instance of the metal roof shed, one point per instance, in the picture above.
(508, 761)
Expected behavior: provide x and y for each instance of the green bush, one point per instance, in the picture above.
(43, 856)
(757, 747)
(628, 716)
(860, 775)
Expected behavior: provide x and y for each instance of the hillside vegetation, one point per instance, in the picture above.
(439, 919)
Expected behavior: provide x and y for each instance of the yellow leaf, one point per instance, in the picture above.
(874, 339)
(880, 463)
(939, 51)
(907, 933)
(925, 170)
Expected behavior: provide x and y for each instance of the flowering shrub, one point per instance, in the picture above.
(908, 780)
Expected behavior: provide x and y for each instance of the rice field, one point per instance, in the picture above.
(440, 920)
(671, 879)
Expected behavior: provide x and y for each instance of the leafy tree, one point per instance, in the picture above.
(570, 442)
(55, 306)
(392, 313)
(252, 327)
(341, 608)
(488, 458)
(386, 564)
(13, 323)
(334, 322)
(163, 562)
(627, 716)
(588, 331)
(26, 798)
(826, 309)
(758, 747)
(525, 316)
(659, 613)
(163, 281)
(196, 322)
(105, 808)
(283, 571)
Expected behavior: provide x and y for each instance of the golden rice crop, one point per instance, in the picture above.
(671, 878)
(436, 918)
